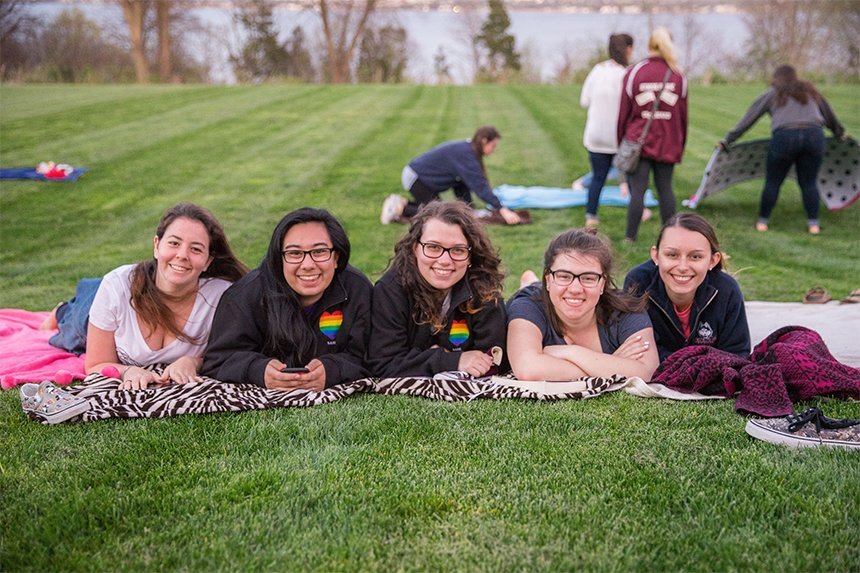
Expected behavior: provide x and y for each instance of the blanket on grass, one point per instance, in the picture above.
(26, 356)
(207, 397)
(792, 364)
(31, 174)
(838, 179)
(466, 390)
(519, 197)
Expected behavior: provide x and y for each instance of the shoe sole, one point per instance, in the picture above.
(766, 434)
(67, 414)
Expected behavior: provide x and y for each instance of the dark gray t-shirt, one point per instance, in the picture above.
(526, 303)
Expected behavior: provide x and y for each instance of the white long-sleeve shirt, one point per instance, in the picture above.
(601, 94)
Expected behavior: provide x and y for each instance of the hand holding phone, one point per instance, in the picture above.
(295, 370)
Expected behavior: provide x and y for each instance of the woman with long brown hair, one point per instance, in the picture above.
(457, 165)
(797, 113)
(161, 310)
(439, 306)
(575, 322)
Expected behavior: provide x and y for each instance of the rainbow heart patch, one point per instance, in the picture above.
(459, 332)
(330, 323)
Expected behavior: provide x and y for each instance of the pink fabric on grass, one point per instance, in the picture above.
(26, 356)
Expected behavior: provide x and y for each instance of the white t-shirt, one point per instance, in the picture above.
(112, 311)
(601, 94)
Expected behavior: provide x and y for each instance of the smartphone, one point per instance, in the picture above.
(291, 370)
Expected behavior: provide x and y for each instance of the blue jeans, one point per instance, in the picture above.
(804, 148)
(73, 318)
(600, 165)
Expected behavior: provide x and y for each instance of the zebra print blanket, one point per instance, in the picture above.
(466, 390)
(211, 396)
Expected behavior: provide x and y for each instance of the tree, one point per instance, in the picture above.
(299, 57)
(382, 55)
(15, 29)
(261, 56)
(341, 35)
(134, 12)
(441, 67)
(501, 54)
(162, 18)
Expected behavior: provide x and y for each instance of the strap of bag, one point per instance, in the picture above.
(654, 107)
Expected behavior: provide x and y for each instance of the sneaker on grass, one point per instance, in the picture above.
(807, 429)
(46, 402)
(392, 208)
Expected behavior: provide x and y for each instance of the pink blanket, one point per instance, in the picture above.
(26, 356)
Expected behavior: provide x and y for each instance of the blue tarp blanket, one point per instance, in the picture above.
(31, 174)
(838, 178)
(518, 197)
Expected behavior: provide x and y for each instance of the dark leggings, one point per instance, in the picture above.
(804, 148)
(638, 182)
(423, 195)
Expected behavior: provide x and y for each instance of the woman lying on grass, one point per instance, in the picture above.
(575, 322)
(160, 311)
(300, 319)
(692, 301)
(439, 306)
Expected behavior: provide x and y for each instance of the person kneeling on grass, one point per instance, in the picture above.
(300, 319)
(439, 306)
(160, 311)
(692, 301)
(457, 165)
(575, 322)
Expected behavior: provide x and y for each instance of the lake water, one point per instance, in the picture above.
(546, 39)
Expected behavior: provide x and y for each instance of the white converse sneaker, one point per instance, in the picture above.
(392, 208)
(44, 401)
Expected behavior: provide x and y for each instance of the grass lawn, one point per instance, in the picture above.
(395, 483)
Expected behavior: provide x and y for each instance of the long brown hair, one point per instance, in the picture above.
(482, 135)
(149, 302)
(586, 243)
(786, 84)
(618, 44)
(483, 275)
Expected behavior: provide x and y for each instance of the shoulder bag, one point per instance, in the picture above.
(627, 157)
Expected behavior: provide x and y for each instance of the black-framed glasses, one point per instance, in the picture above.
(566, 278)
(297, 256)
(434, 251)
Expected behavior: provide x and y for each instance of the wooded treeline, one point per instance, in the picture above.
(160, 41)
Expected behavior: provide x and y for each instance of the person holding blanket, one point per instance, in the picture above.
(161, 310)
(667, 133)
(692, 301)
(439, 305)
(457, 165)
(300, 319)
(575, 322)
(797, 113)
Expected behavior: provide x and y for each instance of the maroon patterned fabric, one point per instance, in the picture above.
(792, 364)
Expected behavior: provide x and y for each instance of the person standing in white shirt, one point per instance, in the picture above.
(601, 94)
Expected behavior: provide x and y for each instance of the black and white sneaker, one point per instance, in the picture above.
(807, 429)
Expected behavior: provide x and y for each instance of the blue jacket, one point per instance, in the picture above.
(718, 317)
(451, 163)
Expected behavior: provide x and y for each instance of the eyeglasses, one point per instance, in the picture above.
(297, 256)
(566, 278)
(434, 251)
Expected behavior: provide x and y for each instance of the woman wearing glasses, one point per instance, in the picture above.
(692, 301)
(575, 322)
(300, 319)
(439, 306)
